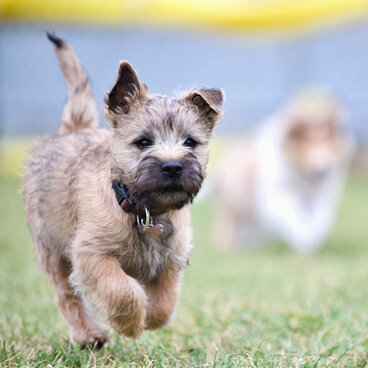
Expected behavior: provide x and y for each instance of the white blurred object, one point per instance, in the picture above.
(286, 183)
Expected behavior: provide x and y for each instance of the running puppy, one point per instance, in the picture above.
(107, 210)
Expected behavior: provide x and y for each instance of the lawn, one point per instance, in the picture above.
(265, 308)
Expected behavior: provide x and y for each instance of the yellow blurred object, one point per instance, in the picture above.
(91, 11)
(234, 15)
(13, 152)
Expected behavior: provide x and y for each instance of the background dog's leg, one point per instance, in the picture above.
(81, 326)
(122, 297)
(163, 298)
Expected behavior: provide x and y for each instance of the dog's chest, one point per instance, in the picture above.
(148, 254)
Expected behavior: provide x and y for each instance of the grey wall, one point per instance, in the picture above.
(258, 73)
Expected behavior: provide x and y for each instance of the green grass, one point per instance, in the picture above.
(266, 308)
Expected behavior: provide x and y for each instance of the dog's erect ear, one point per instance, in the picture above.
(126, 91)
(209, 103)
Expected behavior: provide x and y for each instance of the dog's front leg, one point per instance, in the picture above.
(121, 297)
(163, 298)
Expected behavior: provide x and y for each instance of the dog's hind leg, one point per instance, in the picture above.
(72, 306)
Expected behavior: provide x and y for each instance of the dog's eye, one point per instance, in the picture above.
(190, 142)
(143, 143)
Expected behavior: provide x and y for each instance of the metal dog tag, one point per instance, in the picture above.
(154, 230)
(148, 227)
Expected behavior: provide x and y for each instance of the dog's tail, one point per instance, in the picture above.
(80, 110)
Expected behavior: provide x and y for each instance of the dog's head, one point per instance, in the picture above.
(314, 137)
(160, 144)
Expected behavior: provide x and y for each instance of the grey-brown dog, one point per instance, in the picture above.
(107, 210)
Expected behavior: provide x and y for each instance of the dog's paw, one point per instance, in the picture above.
(129, 314)
(96, 342)
(90, 340)
(131, 325)
(157, 318)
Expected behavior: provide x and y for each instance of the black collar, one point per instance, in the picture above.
(122, 197)
(128, 205)
(144, 225)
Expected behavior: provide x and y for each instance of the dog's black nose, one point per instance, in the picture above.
(172, 168)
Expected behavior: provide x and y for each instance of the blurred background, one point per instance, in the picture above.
(261, 52)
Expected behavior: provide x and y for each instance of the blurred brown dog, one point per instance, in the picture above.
(126, 246)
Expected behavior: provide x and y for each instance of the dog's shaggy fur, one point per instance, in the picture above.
(85, 242)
